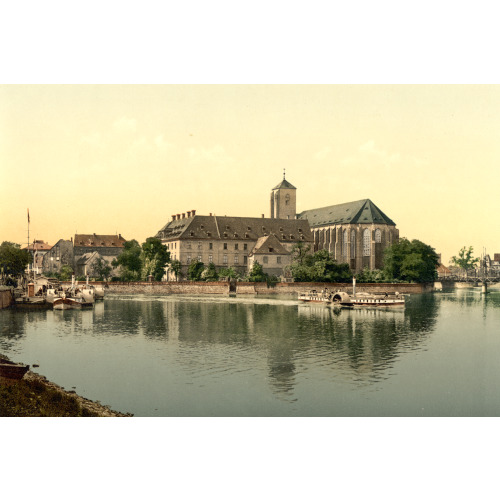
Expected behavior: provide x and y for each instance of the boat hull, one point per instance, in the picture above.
(61, 304)
(12, 371)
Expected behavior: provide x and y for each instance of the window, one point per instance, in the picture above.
(224, 259)
(265, 259)
(278, 260)
(210, 246)
(378, 236)
(188, 246)
(189, 258)
(199, 258)
(245, 246)
(366, 243)
(210, 258)
(245, 260)
(287, 199)
(199, 245)
(236, 246)
(344, 243)
(225, 246)
(236, 261)
(353, 244)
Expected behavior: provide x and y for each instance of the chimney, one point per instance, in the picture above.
(188, 214)
(184, 216)
(210, 214)
(178, 216)
(262, 215)
(193, 212)
(119, 236)
(173, 217)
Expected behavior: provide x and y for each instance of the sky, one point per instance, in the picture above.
(110, 159)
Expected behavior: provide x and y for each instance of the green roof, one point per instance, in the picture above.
(284, 184)
(354, 212)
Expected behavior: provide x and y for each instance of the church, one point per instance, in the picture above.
(356, 233)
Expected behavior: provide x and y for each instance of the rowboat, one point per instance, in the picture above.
(12, 371)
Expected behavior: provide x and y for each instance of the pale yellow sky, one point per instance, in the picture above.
(121, 159)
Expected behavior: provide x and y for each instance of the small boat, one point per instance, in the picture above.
(11, 370)
(68, 302)
(29, 303)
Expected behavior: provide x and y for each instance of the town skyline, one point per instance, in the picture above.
(122, 159)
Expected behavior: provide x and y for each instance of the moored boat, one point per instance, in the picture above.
(64, 302)
(315, 297)
(11, 370)
(367, 300)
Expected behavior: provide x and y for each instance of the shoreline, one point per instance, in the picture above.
(36, 396)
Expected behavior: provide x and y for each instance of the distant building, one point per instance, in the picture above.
(229, 241)
(37, 249)
(82, 252)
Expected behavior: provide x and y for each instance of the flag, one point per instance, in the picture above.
(28, 215)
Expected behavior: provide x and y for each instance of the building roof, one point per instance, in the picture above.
(284, 184)
(99, 240)
(235, 228)
(38, 245)
(269, 244)
(354, 212)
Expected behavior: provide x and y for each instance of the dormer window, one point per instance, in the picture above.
(249, 228)
(271, 249)
(202, 227)
(209, 234)
(300, 230)
(225, 235)
(191, 233)
(292, 237)
(235, 235)
(247, 235)
(263, 229)
(281, 229)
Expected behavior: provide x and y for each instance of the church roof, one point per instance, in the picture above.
(284, 184)
(354, 212)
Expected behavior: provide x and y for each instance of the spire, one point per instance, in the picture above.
(283, 174)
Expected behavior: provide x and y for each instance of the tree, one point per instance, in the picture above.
(101, 268)
(13, 260)
(176, 267)
(228, 272)
(210, 273)
(411, 261)
(465, 260)
(320, 266)
(66, 273)
(154, 258)
(129, 261)
(257, 273)
(300, 251)
(195, 270)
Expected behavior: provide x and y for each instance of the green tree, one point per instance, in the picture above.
(410, 261)
(228, 272)
(13, 260)
(465, 260)
(129, 261)
(210, 273)
(66, 273)
(320, 266)
(154, 258)
(371, 276)
(102, 269)
(195, 270)
(176, 267)
(257, 273)
(300, 251)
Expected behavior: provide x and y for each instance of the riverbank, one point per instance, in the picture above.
(35, 396)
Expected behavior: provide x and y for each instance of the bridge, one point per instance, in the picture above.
(470, 279)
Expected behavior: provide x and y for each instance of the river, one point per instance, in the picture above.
(269, 356)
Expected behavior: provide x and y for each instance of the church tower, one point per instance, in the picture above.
(284, 200)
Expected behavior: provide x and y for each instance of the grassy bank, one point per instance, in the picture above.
(35, 396)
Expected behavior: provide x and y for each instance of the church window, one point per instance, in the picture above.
(344, 243)
(353, 244)
(366, 243)
(378, 236)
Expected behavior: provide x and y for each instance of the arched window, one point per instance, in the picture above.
(378, 236)
(345, 242)
(353, 243)
(366, 242)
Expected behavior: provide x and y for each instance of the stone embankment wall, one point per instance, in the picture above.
(245, 288)
(5, 297)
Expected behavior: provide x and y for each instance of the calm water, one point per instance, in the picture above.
(208, 356)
